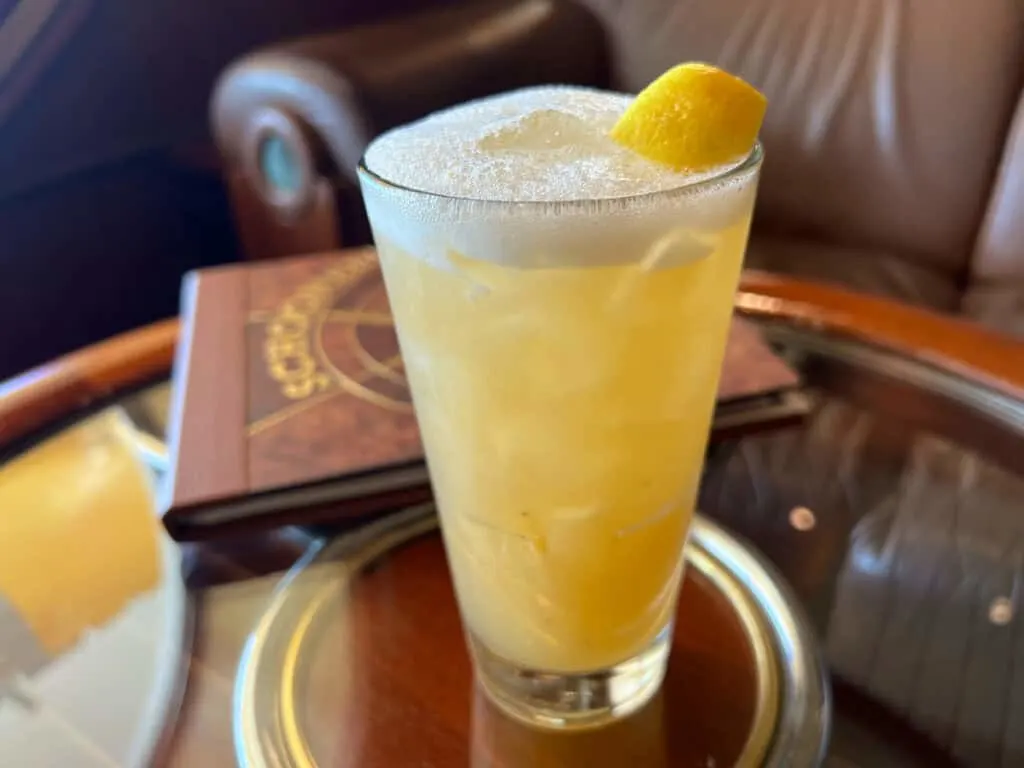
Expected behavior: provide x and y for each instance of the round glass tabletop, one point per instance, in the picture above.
(893, 512)
(360, 659)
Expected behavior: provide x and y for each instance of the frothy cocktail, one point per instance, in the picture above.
(562, 306)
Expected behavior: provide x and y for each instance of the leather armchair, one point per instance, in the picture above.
(293, 120)
(893, 166)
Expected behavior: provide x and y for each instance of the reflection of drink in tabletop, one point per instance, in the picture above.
(641, 740)
(78, 541)
(21, 654)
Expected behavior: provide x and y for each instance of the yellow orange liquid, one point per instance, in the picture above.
(565, 414)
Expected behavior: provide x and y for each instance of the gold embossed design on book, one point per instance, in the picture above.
(312, 390)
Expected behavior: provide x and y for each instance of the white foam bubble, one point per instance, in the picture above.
(545, 144)
(537, 178)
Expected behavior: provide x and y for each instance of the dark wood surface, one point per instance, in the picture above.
(412, 699)
(911, 563)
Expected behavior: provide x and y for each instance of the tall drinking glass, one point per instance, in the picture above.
(563, 358)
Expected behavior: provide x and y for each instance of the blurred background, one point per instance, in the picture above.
(141, 140)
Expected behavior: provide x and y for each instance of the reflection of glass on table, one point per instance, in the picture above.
(92, 603)
(499, 742)
(363, 640)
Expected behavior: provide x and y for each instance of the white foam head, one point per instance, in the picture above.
(531, 177)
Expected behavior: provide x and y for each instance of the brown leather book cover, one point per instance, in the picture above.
(290, 402)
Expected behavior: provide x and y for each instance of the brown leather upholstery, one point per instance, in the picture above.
(997, 303)
(886, 119)
(352, 86)
(996, 293)
(1000, 247)
(888, 166)
(871, 270)
(339, 91)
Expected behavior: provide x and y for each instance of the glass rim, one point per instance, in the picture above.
(751, 161)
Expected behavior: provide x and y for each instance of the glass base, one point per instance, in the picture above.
(581, 700)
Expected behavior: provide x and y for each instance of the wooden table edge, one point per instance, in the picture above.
(948, 342)
(84, 378)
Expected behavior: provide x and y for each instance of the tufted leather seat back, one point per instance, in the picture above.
(887, 118)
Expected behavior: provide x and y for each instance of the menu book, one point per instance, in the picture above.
(290, 403)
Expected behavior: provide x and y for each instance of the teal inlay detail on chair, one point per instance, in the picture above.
(279, 165)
